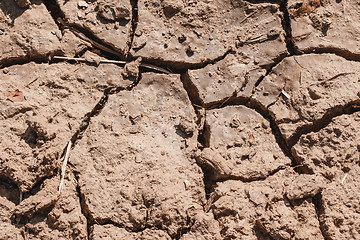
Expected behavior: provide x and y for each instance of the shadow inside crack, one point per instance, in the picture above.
(9, 190)
(30, 137)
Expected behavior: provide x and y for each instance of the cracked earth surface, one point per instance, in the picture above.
(222, 119)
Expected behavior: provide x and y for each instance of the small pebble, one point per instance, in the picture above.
(187, 184)
(138, 159)
(82, 4)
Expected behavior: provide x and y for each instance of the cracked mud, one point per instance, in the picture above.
(187, 119)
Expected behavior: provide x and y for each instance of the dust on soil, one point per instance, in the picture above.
(225, 119)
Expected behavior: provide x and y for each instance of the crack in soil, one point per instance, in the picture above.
(204, 134)
(232, 101)
(344, 53)
(10, 186)
(285, 147)
(54, 10)
(350, 56)
(325, 120)
(280, 139)
(134, 22)
(286, 24)
(84, 212)
(261, 232)
(8, 62)
(181, 68)
(186, 229)
(205, 63)
(83, 33)
(203, 137)
(36, 188)
(317, 199)
(89, 37)
(97, 110)
(79, 134)
(109, 51)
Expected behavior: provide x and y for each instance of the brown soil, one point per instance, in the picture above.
(224, 119)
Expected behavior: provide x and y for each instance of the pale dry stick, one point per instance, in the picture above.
(343, 179)
(84, 60)
(285, 94)
(145, 65)
(63, 168)
(198, 106)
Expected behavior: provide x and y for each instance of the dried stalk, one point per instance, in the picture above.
(144, 65)
(63, 168)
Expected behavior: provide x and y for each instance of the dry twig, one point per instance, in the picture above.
(343, 179)
(63, 168)
(144, 65)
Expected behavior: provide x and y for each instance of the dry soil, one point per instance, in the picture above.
(187, 119)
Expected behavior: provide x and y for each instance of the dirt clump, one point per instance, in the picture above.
(340, 207)
(231, 77)
(129, 137)
(333, 150)
(38, 129)
(303, 90)
(320, 25)
(190, 33)
(109, 21)
(234, 150)
(62, 217)
(27, 32)
(264, 207)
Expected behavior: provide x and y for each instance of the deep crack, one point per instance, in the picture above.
(204, 134)
(8, 62)
(341, 52)
(182, 231)
(286, 24)
(54, 10)
(97, 110)
(325, 120)
(10, 186)
(317, 201)
(280, 139)
(261, 232)
(134, 22)
(82, 204)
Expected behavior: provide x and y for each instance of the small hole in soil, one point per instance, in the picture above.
(181, 39)
(30, 136)
(189, 52)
